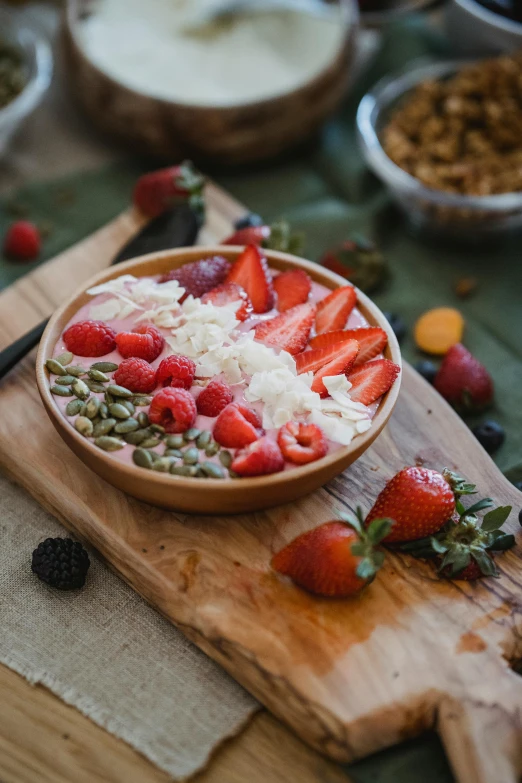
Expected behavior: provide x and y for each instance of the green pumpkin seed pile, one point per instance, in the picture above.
(114, 421)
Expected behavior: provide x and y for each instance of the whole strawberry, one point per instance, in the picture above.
(464, 547)
(359, 261)
(278, 236)
(463, 381)
(22, 241)
(158, 191)
(336, 559)
(419, 500)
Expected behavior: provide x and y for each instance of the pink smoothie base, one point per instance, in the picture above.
(318, 292)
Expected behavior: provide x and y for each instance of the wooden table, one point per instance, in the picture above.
(44, 740)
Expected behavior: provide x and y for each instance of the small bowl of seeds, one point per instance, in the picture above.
(445, 138)
(25, 72)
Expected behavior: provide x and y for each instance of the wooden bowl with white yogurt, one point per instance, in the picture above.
(244, 91)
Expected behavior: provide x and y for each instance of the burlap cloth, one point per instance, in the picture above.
(108, 653)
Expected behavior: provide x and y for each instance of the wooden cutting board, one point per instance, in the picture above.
(351, 677)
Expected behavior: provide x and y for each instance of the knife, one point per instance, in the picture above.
(178, 227)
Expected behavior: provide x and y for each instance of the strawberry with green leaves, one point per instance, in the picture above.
(158, 191)
(464, 548)
(337, 559)
(278, 236)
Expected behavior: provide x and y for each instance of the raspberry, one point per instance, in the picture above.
(237, 426)
(137, 375)
(198, 277)
(258, 459)
(227, 294)
(214, 397)
(177, 371)
(302, 443)
(173, 409)
(22, 241)
(145, 342)
(90, 338)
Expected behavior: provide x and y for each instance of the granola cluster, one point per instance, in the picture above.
(463, 135)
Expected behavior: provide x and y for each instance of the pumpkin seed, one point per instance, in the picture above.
(80, 389)
(142, 458)
(233, 474)
(225, 457)
(95, 421)
(55, 367)
(74, 407)
(184, 470)
(135, 438)
(104, 411)
(191, 456)
(109, 399)
(155, 456)
(119, 391)
(103, 427)
(141, 402)
(173, 453)
(92, 408)
(162, 465)
(76, 370)
(107, 443)
(98, 375)
(119, 411)
(212, 449)
(65, 358)
(129, 425)
(84, 426)
(61, 391)
(203, 440)
(95, 387)
(212, 471)
(174, 441)
(191, 434)
(65, 380)
(128, 404)
(157, 428)
(143, 419)
(149, 443)
(104, 366)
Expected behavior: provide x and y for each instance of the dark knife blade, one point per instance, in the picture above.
(178, 227)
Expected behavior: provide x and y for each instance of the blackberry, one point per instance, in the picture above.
(61, 563)
(397, 324)
(427, 369)
(250, 220)
(490, 435)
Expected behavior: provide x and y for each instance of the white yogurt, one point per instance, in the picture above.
(147, 47)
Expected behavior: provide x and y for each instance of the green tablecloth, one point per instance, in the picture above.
(328, 193)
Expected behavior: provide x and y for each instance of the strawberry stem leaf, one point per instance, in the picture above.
(494, 520)
(378, 529)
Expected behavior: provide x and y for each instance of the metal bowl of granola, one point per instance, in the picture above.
(444, 138)
(25, 72)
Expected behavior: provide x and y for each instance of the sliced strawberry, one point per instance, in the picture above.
(372, 341)
(333, 310)
(237, 426)
(292, 288)
(250, 271)
(259, 459)
(228, 294)
(289, 331)
(372, 380)
(302, 443)
(346, 355)
(311, 361)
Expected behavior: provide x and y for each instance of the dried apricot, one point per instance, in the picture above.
(437, 330)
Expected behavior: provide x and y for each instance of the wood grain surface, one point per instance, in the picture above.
(350, 677)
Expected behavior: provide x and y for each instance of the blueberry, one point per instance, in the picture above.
(397, 324)
(427, 369)
(250, 220)
(490, 435)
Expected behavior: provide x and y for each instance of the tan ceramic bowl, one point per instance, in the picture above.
(226, 135)
(210, 496)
